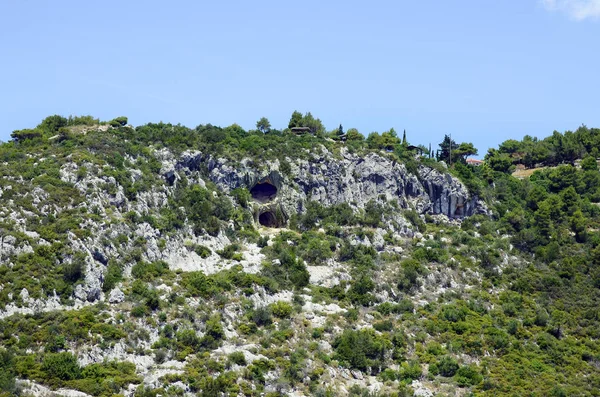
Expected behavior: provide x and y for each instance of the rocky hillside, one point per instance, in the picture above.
(160, 260)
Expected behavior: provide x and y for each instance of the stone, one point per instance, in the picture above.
(116, 296)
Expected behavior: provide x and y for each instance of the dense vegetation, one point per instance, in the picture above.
(506, 304)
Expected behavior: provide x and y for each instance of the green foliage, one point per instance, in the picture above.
(529, 317)
(237, 358)
(61, 366)
(149, 271)
(7, 372)
(263, 125)
(446, 366)
(262, 316)
(242, 196)
(361, 349)
(114, 274)
(290, 271)
(468, 375)
(118, 121)
(202, 251)
(281, 309)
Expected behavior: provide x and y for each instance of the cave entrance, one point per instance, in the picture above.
(263, 192)
(268, 219)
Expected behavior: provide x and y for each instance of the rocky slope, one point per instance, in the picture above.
(120, 229)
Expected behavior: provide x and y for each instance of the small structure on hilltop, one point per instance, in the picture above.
(417, 149)
(300, 130)
(474, 162)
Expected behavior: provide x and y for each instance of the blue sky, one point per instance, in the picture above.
(482, 70)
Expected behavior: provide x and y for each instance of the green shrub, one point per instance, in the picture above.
(360, 349)
(150, 271)
(281, 309)
(237, 358)
(202, 251)
(446, 366)
(383, 326)
(468, 375)
(410, 371)
(113, 275)
(61, 366)
(262, 316)
(229, 251)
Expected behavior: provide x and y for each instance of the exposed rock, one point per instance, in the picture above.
(420, 390)
(31, 388)
(348, 179)
(116, 296)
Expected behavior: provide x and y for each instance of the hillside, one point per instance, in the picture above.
(164, 260)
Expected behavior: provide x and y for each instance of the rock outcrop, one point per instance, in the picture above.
(348, 178)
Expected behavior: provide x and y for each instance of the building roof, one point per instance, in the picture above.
(474, 161)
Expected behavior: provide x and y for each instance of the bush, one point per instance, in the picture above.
(202, 251)
(113, 275)
(410, 371)
(237, 358)
(360, 349)
(62, 366)
(383, 326)
(149, 271)
(468, 376)
(281, 309)
(229, 251)
(262, 316)
(242, 196)
(7, 372)
(119, 121)
(446, 366)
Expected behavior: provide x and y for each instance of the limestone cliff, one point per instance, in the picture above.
(348, 178)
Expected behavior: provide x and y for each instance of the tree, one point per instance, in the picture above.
(578, 226)
(589, 163)
(52, 124)
(23, 135)
(354, 135)
(120, 121)
(315, 125)
(464, 150)
(295, 120)
(497, 161)
(404, 143)
(390, 139)
(510, 146)
(308, 120)
(263, 125)
(340, 131)
(446, 148)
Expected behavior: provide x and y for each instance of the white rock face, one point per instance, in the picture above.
(420, 390)
(227, 349)
(116, 296)
(35, 389)
(328, 275)
(347, 179)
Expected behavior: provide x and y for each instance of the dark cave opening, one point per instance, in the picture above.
(268, 219)
(263, 192)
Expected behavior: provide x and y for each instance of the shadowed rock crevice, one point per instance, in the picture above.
(268, 219)
(264, 192)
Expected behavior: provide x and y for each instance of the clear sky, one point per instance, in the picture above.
(482, 70)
